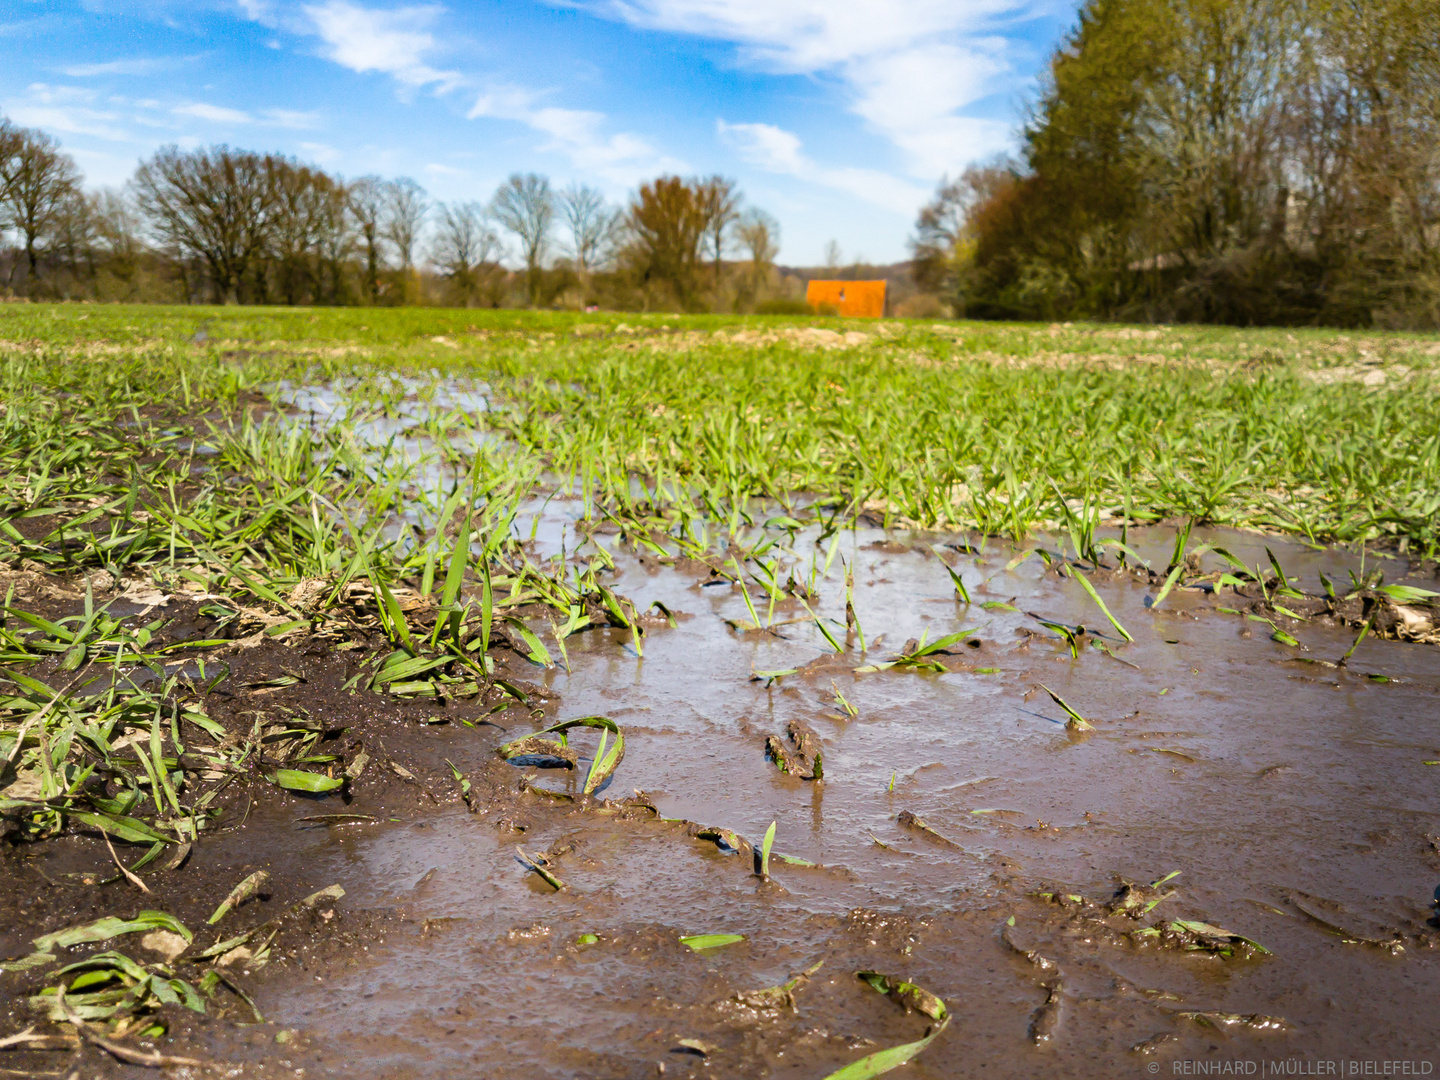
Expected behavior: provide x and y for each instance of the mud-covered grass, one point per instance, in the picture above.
(252, 560)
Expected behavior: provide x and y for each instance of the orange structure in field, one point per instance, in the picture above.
(865, 299)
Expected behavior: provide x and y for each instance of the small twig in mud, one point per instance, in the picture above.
(123, 1053)
(905, 817)
(536, 863)
(29, 1041)
(130, 875)
(254, 885)
(410, 778)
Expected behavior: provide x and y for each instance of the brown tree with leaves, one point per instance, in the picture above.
(1242, 161)
(667, 220)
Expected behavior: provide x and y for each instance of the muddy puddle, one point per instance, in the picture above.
(964, 838)
(1113, 831)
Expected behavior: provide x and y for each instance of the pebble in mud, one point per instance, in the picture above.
(1046, 1020)
(1155, 1042)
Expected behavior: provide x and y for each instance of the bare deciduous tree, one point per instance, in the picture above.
(525, 206)
(464, 243)
(591, 225)
(119, 228)
(12, 139)
(720, 201)
(214, 205)
(74, 239)
(38, 182)
(759, 235)
(403, 215)
(336, 242)
(367, 207)
(302, 203)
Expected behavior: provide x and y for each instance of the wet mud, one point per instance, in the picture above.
(1239, 860)
(1286, 806)
(1218, 841)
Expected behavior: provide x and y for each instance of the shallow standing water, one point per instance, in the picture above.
(1293, 800)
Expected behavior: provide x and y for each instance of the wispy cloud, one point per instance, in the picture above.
(294, 119)
(215, 114)
(397, 42)
(219, 114)
(621, 158)
(321, 153)
(910, 67)
(811, 35)
(779, 151)
(67, 110)
(402, 42)
(136, 66)
(914, 97)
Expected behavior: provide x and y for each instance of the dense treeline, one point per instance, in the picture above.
(233, 226)
(1238, 161)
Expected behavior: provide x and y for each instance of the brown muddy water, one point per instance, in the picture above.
(1292, 801)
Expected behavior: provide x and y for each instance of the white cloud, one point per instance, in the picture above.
(257, 10)
(138, 66)
(812, 35)
(912, 97)
(320, 153)
(289, 118)
(69, 110)
(767, 146)
(401, 42)
(777, 150)
(911, 67)
(219, 114)
(395, 42)
(621, 158)
(215, 114)
(70, 121)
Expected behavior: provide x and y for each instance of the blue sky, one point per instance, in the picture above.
(837, 117)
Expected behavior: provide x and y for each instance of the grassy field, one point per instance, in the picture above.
(368, 480)
(1335, 437)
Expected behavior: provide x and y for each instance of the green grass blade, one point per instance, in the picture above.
(1101, 605)
(698, 942)
(1170, 581)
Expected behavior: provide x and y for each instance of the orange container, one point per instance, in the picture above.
(863, 299)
